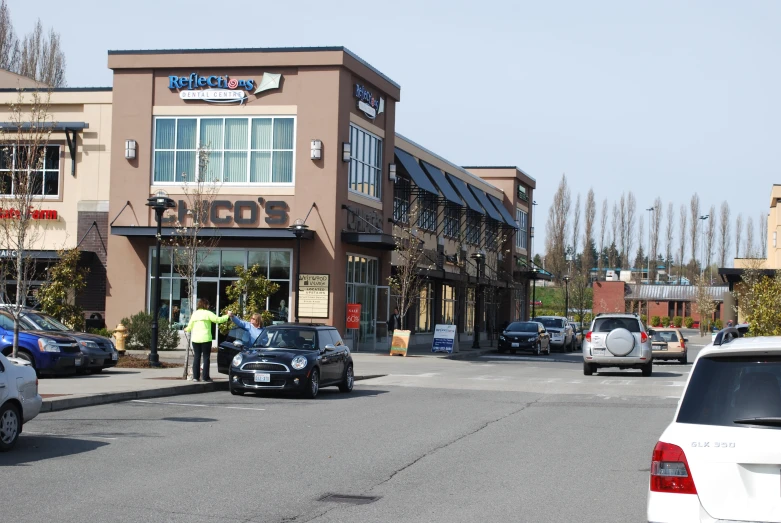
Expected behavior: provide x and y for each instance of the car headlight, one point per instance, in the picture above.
(89, 344)
(299, 362)
(47, 345)
(237, 359)
(533, 338)
(501, 337)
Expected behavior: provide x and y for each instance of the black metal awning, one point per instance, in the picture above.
(372, 240)
(441, 182)
(732, 276)
(412, 167)
(466, 194)
(69, 128)
(213, 232)
(506, 216)
(486, 203)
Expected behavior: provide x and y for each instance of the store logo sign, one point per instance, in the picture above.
(34, 214)
(219, 89)
(368, 103)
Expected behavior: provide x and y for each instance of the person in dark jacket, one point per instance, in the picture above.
(394, 322)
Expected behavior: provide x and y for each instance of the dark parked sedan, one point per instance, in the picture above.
(292, 357)
(525, 335)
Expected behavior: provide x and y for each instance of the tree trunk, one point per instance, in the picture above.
(16, 338)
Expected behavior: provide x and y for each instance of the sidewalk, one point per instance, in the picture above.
(115, 385)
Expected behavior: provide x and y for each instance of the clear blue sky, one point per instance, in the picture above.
(659, 97)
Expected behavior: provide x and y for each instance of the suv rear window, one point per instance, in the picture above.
(609, 324)
(551, 323)
(722, 390)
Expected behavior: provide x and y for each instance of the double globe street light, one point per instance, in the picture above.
(160, 202)
(298, 228)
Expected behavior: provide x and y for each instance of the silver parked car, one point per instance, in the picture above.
(561, 335)
(617, 340)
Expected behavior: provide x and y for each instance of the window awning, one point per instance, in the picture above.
(506, 216)
(441, 182)
(213, 232)
(465, 193)
(69, 128)
(372, 240)
(412, 167)
(486, 203)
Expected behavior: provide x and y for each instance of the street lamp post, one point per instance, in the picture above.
(298, 228)
(534, 289)
(479, 258)
(702, 241)
(160, 202)
(566, 297)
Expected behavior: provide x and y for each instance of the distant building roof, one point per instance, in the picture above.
(9, 80)
(672, 292)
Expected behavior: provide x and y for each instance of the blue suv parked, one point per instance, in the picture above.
(48, 352)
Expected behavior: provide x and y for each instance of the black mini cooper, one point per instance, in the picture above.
(291, 356)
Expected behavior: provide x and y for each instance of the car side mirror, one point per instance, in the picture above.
(651, 332)
(686, 340)
(330, 347)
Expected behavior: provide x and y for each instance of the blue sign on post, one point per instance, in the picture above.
(444, 338)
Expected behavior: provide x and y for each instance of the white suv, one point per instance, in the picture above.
(617, 340)
(720, 458)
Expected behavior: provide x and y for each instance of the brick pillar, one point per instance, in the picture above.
(92, 232)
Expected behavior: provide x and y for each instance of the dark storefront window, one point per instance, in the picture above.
(425, 308)
(427, 216)
(44, 181)
(448, 304)
(473, 228)
(491, 234)
(401, 194)
(451, 228)
(365, 162)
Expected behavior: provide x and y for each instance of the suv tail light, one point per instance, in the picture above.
(588, 336)
(643, 337)
(670, 471)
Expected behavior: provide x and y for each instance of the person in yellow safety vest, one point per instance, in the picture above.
(201, 325)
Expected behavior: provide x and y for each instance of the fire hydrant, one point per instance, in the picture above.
(120, 333)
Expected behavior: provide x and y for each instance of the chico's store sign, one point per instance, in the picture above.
(240, 212)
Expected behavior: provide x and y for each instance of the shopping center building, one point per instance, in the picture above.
(283, 136)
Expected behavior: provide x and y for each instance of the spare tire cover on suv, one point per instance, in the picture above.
(620, 342)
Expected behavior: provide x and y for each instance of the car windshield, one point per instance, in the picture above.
(286, 338)
(609, 324)
(724, 389)
(522, 327)
(46, 323)
(551, 323)
(666, 336)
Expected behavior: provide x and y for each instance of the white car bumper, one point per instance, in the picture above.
(676, 508)
(31, 407)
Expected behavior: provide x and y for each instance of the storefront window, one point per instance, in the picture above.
(362, 279)
(491, 234)
(427, 217)
(522, 236)
(425, 308)
(448, 304)
(451, 227)
(401, 195)
(365, 162)
(215, 274)
(45, 180)
(239, 150)
(469, 325)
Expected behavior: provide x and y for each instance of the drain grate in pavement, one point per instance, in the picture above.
(346, 498)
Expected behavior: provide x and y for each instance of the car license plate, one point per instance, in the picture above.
(114, 356)
(263, 378)
(516, 344)
(598, 352)
(78, 361)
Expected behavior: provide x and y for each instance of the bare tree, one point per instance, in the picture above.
(556, 229)
(762, 247)
(576, 227)
(738, 234)
(682, 241)
(409, 256)
(710, 236)
(23, 150)
(668, 234)
(190, 247)
(602, 228)
(9, 43)
(615, 225)
(655, 227)
(694, 209)
(630, 211)
(41, 57)
(639, 262)
(724, 234)
(750, 238)
(588, 232)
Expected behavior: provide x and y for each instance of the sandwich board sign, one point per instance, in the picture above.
(444, 339)
(400, 342)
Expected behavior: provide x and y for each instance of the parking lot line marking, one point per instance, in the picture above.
(243, 408)
(65, 435)
(676, 384)
(168, 403)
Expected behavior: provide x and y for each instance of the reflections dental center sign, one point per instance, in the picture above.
(371, 105)
(219, 89)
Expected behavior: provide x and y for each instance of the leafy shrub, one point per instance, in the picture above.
(665, 321)
(139, 333)
(719, 324)
(644, 319)
(655, 321)
(64, 280)
(248, 295)
(688, 322)
(102, 332)
(678, 321)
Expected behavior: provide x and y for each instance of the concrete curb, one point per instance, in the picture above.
(55, 404)
(470, 354)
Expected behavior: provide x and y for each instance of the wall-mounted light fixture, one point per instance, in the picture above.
(346, 151)
(130, 149)
(317, 150)
(392, 172)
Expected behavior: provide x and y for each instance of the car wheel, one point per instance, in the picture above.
(588, 368)
(648, 368)
(314, 385)
(10, 424)
(349, 380)
(24, 355)
(537, 349)
(237, 392)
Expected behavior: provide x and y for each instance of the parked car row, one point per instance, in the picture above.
(52, 348)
